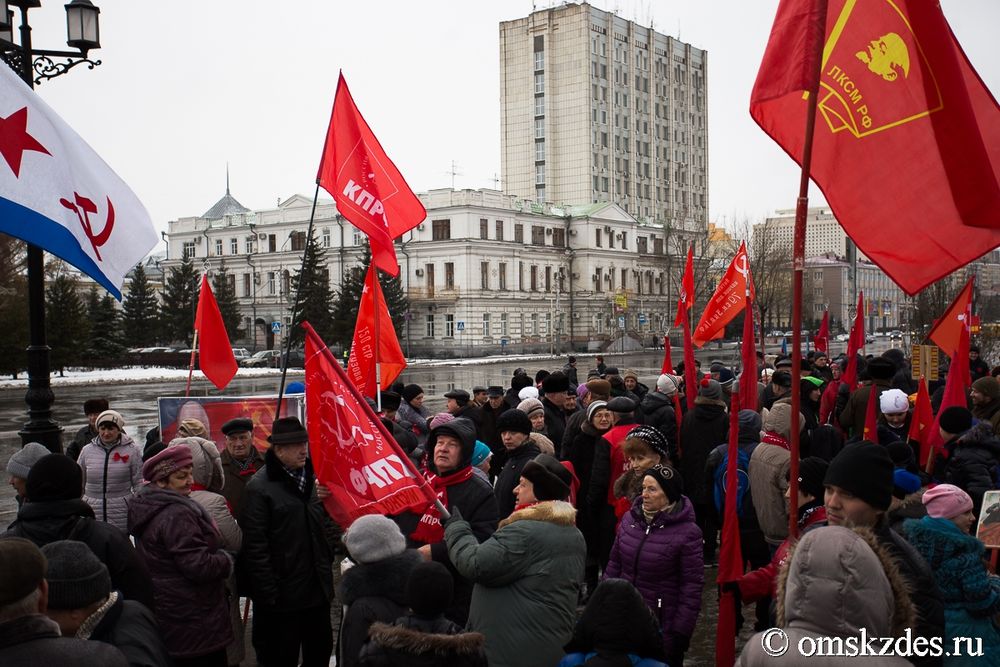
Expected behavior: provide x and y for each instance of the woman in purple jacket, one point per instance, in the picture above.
(659, 550)
(181, 548)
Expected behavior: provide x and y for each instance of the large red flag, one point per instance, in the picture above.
(215, 355)
(668, 364)
(956, 390)
(729, 298)
(352, 453)
(748, 378)
(922, 421)
(365, 347)
(690, 377)
(686, 299)
(821, 341)
(855, 343)
(730, 558)
(368, 189)
(907, 140)
(947, 330)
(871, 416)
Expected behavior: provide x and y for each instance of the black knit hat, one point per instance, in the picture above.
(429, 589)
(23, 569)
(95, 406)
(653, 437)
(77, 578)
(555, 384)
(514, 420)
(668, 479)
(550, 479)
(54, 477)
(622, 405)
(411, 391)
(955, 420)
(519, 382)
(881, 368)
(863, 469)
(812, 472)
(391, 400)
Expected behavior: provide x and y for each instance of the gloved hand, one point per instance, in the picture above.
(679, 642)
(455, 515)
(734, 588)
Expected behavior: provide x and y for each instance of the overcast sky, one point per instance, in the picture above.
(189, 85)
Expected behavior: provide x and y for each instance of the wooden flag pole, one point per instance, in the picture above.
(194, 351)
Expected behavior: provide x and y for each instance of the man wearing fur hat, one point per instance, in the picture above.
(858, 493)
(554, 389)
(450, 473)
(286, 558)
(527, 575)
(515, 429)
(852, 418)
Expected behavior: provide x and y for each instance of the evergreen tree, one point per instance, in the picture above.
(315, 297)
(180, 299)
(13, 307)
(67, 325)
(225, 295)
(105, 326)
(140, 311)
(349, 298)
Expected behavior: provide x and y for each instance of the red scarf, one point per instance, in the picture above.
(772, 438)
(429, 529)
(522, 506)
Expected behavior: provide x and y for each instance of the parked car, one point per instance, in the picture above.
(843, 338)
(895, 334)
(262, 359)
(241, 353)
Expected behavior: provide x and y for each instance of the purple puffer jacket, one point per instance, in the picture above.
(181, 548)
(664, 560)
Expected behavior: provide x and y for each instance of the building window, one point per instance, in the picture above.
(449, 326)
(326, 237)
(248, 245)
(441, 230)
(540, 105)
(486, 325)
(502, 276)
(518, 233)
(598, 242)
(218, 247)
(624, 278)
(449, 275)
(641, 244)
(657, 246)
(234, 246)
(429, 269)
(359, 238)
(246, 285)
(559, 237)
(534, 278)
(520, 276)
(539, 60)
(540, 151)
(298, 240)
(499, 230)
(534, 323)
(548, 278)
(539, 128)
(503, 324)
(484, 228)
(537, 235)
(484, 275)
(539, 174)
(188, 250)
(271, 286)
(624, 240)
(540, 194)
(429, 326)
(539, 83)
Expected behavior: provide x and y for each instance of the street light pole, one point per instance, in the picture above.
(34, 66)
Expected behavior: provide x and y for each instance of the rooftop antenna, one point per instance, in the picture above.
(454, 172)
(496, 181)
(227, 177)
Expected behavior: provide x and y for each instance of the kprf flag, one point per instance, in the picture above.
(58, 194)
(729, 299)
(947, 330)
(907, 141)
(371, 343)
(871, 416)
(368, 189)
(686, 299)
(215, 355)
(821, 341)
(352, 453)
(956, 390)
(922, 421)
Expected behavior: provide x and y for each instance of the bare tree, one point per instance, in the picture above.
(770, 266)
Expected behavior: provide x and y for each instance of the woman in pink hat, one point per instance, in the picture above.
(971, 594)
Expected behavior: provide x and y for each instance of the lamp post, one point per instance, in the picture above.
(34, 66)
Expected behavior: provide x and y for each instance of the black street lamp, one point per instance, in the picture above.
(34, 66)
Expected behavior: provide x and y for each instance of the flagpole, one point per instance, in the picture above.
(295, 306)
(798, 267)
(194, 350)
(373, 270)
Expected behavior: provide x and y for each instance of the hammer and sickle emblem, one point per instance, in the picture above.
(743, 266)
(83, 208)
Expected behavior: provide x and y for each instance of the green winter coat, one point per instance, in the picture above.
(527, 581)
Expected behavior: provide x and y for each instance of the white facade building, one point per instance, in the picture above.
(824, 235)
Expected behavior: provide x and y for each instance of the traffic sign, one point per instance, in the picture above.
(642, 318)
(621, 321)
(275, 327)
(460, 325)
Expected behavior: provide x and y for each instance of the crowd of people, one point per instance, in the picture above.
(583, 513)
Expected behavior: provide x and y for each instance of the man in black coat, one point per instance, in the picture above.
(657, 409)
(488, 433)
(449, 470)
(514, 427)
(286, 560)
(56, 511)
(460, 404)
(554, 388)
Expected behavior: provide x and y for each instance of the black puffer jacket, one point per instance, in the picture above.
(286, 560)
(657, 410)
(555, 421)
(414, 641)
(132, 629)
(45, 522)
(372, 592)
(973, 463)
(702, 430)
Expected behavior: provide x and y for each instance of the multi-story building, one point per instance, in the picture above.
(827, 285)
(824, 235)
(485, 272)
(596, 108)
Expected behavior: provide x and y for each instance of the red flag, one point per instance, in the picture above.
(668, 364)
(901, 106)
(352, 453)
(956, 390)
(729, 298)
(821, 341)
(690, 378)
(730, 559)
(748, 378)
(855, 343)
(686, 299)
(871, 416)
(922, 421)
(215, 355)
(368, 189)
(364, 353)
(947, 330)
